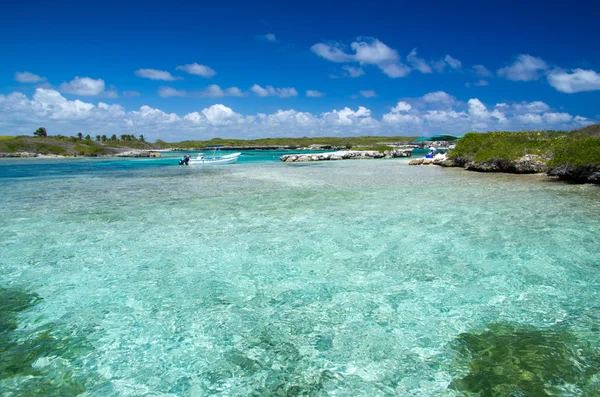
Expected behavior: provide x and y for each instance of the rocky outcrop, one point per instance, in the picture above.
(345, 155)
(19, 154)
(579, 174)
(138, 153)
(528, 164)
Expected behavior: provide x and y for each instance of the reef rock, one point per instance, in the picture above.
(579, 174)
(138, 153)
(344, 155)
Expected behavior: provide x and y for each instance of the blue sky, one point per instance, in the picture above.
(193, 71)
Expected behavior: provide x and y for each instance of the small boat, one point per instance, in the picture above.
(214, 159)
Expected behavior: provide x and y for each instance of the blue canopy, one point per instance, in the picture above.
(421, 139)
(443, 137)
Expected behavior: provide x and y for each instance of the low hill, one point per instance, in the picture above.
(67, 146)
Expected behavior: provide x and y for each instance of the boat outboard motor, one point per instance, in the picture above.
(185, 160)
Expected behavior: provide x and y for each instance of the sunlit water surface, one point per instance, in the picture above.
(350, 278)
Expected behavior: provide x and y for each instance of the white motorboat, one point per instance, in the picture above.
(214, 160)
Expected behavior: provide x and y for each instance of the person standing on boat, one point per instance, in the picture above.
(185, 160)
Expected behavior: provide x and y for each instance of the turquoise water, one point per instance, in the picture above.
(348, 278)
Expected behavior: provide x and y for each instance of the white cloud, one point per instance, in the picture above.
(557, 118)
(524, 68)
(347, 116)
(481, 83)
(331, 53)
(411, 116)
(418, 63)
(373, 52)
(212, 91)
(154, 74)
(220, 115)
(27, 77)
(579, 80)
(354, 71)
(166, 92)
(453, 62)
(234, 91)
(398, 118)
(198, 70)
(401, 107)
(270, 91)
(439, 97)
(314, 94)
(270, 37)
(367, 52)
(86, 86)
(368, 93)
(395, 70)
(447, 61)
(399, 115)
(528, 107)
(130, 93)
(482, 71)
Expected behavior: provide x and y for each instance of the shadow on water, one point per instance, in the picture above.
(519, 361)
(39, 362)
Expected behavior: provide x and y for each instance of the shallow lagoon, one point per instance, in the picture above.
(351, 278)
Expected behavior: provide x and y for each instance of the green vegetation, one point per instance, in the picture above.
(512, 360)
(68, 146)
(40, 132)
(378, 148)
(22, 354)
(575, 148)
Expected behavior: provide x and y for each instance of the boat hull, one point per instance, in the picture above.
(227, 159)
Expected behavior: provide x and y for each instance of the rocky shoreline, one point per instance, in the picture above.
(346, 155)
(128, 153)
(528, 164)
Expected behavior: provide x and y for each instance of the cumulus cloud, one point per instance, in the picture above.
(166, 92)
(271, 91)
(366, 52)
(154, 74)
(453, 62)
(352, 71)
(481, 83)
(212, 91)
(198, 70)
(524, 68)
(22, 115)
(268, 37)
(27, 77)
(579, 80)
(439, 97)
(130, 93)
(234, 91)
(418, 63)
(86, 86)
(314, 93)
(482, 71)
(368, 93)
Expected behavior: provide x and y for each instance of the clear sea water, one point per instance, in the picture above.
(347, 278)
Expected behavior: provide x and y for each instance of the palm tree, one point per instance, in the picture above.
(79, 136)
(40, 132)
(142, 138)
(98, 138)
